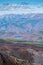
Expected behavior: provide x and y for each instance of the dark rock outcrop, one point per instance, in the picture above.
(6, 60)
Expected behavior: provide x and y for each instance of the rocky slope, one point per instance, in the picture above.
(21, 55)
(11, 60)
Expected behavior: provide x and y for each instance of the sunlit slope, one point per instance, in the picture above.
(9, 41)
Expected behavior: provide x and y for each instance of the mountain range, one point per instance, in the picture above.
(22, 26)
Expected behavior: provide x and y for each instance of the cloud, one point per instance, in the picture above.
(20, 9)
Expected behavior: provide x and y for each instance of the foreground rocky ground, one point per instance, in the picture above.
(20, 55)
(10, 60)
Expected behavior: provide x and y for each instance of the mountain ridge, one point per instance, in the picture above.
(23, 26)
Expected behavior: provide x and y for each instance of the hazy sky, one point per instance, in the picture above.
(22, 1)
(34, 6)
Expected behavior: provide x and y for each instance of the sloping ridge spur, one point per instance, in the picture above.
(9, 60)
